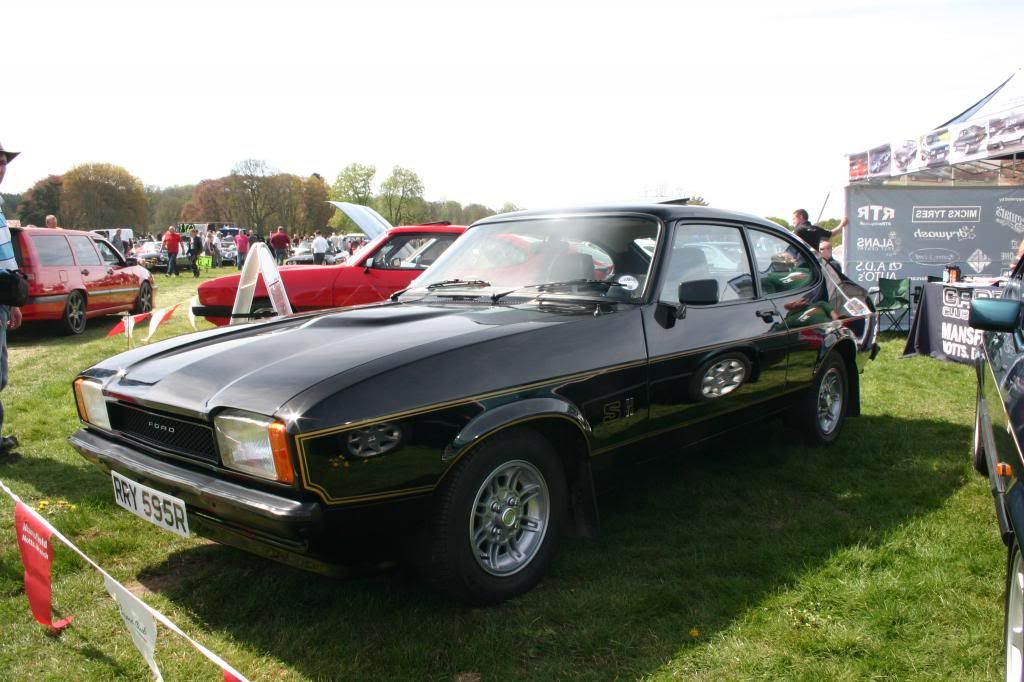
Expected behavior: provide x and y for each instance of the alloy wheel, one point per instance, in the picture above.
(830, 400)
(1015, 620)
(510, 517)
(722, 378)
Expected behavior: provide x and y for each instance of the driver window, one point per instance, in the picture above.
(714, 252)
(107, 253)
(396, 252)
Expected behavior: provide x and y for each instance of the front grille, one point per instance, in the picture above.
(162, 431)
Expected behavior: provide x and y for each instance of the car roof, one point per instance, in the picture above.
(665, 212)
(50, 230)
(451, 229)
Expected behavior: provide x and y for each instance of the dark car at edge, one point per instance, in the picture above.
(462, 422)
(998, 434)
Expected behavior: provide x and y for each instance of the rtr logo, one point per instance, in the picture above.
(875, 213)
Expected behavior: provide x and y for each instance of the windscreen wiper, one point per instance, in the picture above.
(444, 284)
(575, 282)
(549, 286)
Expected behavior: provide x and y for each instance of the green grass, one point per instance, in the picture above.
(753, 557)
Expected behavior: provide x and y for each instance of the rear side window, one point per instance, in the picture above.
(781, 265)
(85, 252)
(52, 249)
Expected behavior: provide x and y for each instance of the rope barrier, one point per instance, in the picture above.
(161, 618)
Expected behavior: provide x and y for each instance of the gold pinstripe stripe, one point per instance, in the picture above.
(301, 439)
(408, 492)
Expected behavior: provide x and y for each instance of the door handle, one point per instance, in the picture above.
(85, 272)
(110, 271)
(766, 314)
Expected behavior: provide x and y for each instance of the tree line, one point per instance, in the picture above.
(253, 195)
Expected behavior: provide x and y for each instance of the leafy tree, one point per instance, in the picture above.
(41, 200)
(286, 200)
(210, 202)
(398, 194)
(251, 193)
(445, 209)
(475, 212)
(354, 184)
(9, 203)
(100, 195)
(782, 222)
(167, 205)
(697, 200)
(509, 207)
(315, 194)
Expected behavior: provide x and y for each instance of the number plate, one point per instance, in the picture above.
(158, 508)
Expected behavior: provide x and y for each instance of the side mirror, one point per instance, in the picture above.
(367, 264)
(995, 315)
(698, 292)
(130, 260)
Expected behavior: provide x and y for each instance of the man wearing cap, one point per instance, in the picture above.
(10, 317)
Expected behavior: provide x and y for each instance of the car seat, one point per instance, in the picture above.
(570, 266)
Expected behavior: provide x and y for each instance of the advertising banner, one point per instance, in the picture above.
(898, 232)
(37, 558)
(991, 128)
(139, 622)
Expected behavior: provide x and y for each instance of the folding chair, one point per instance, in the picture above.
(893, 300)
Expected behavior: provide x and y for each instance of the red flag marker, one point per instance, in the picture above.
(119, 327)
(159, 317)
(37, 558)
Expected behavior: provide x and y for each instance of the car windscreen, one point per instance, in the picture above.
(604, 250)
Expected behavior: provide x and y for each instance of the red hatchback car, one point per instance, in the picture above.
(74, 275)
(385, 265)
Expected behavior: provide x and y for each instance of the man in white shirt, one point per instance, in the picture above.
(320, 246)
(10, 317)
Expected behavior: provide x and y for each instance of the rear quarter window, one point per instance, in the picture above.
(16, 237)
(52, 249)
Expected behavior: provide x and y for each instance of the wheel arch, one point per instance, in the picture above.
(562, 425)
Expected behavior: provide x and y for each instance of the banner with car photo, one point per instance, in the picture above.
(991, 128)
(898, 232)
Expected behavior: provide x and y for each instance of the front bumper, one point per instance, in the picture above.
(254, 520)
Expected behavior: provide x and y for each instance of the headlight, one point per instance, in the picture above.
(254, 444)
(92, 406)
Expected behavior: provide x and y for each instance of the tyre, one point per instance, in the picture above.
(73, 320)
(144, 303)
(719, 377)
(980, 463)
(497, 520)
(821, 411)
(261, 308)
(1013, 623)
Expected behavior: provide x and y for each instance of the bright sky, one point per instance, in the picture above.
(543, 103)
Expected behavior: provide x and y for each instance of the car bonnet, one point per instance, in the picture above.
(260, 367)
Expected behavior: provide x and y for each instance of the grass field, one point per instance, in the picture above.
(753, 557)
